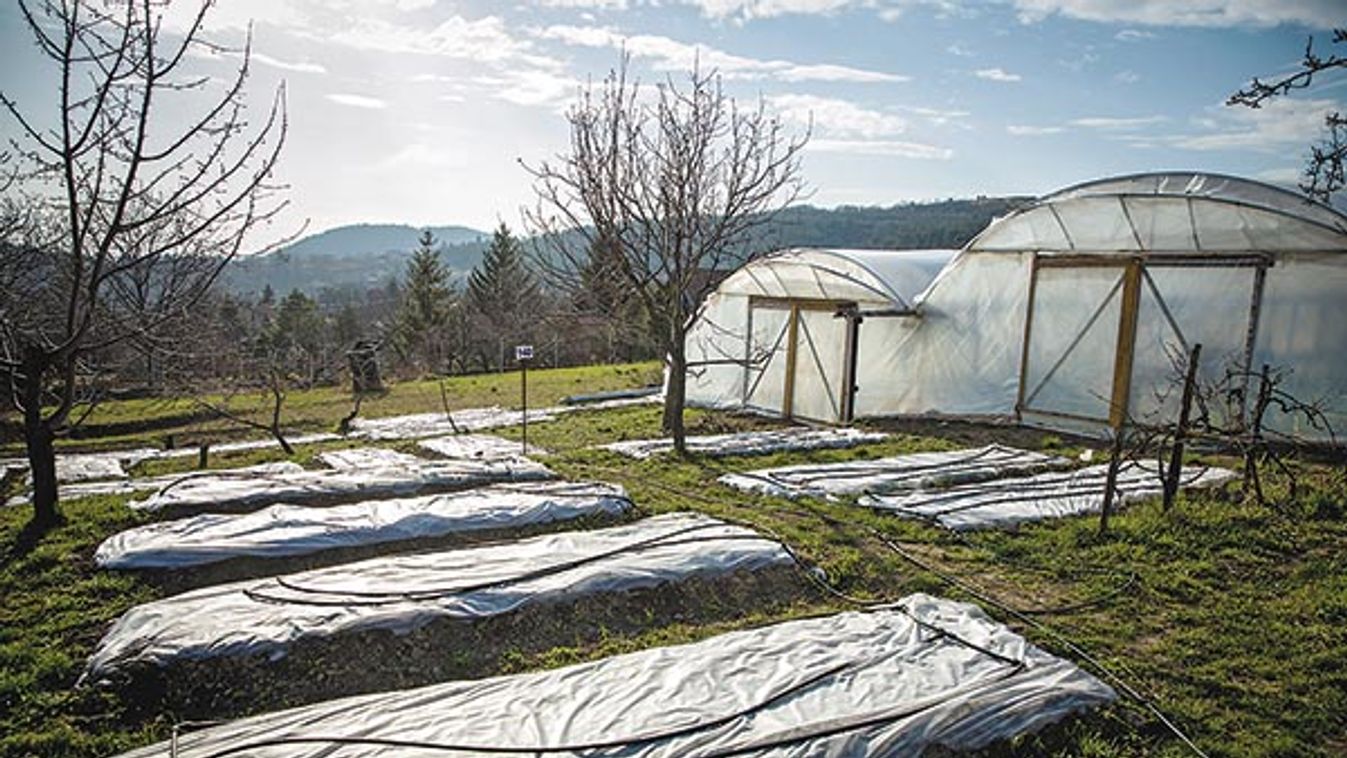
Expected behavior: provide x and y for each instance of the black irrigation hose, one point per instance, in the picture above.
(1056, 487)
(630, 742)
(856, 724)
(397, 597)
(1062, 639)
(847, 469)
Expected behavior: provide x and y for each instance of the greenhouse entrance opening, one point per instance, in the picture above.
(798, 354)
(1094, 324)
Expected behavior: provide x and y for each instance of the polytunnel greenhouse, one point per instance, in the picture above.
(1076, 312)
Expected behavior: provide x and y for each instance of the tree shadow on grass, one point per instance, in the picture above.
(23, 542)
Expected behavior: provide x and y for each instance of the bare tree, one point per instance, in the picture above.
(134, 216)
(668, 190)
(1324, 173)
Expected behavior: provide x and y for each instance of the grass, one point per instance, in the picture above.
(149, 421)
(1235, 624)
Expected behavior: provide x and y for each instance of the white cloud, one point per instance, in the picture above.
(1112, 123)
(1133, 35)
(531, 87)
(603, 5)
(357, 101)
(1323, 14)
(1287, 175)
(959, 50)
(483, 39)
(833, 117)
(419, 157)
(1127, 77)
(1024, 130)
(996, 75)
(752, 9)
(937, 116)
(413, 5)
(892, 148)
(1278, 125)
(303, 67)
(668, 54)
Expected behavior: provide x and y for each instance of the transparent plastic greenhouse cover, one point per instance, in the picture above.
(1027, 321)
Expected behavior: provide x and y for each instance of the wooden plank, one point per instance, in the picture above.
(792, 340)
(804, 304)
(1028, 332)
(1126, 347)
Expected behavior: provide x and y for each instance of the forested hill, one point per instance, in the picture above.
(367, 255)
(359, 255)
(910, 226)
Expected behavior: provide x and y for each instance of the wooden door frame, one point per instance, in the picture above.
(1133, 268)
(794, 306)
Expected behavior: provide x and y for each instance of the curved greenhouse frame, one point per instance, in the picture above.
(1072, 312)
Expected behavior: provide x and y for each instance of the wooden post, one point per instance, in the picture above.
(1028, 332)
(1255, 442)
(1126, 346)
(792, 336)
(203, 455)
(1111, 481)
(852, 314)
(1122, 381)
(1181, 429)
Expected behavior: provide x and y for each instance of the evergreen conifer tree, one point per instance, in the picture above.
(425, 305)
(502, 292)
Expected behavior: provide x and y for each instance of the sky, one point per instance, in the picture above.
(421, 111)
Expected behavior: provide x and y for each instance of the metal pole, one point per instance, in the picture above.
(524, 400)
(1181, 430)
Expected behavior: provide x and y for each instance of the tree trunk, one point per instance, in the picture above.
(38, 436)
(675, 395)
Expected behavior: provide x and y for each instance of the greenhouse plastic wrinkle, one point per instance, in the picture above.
(285, 530)
(927, 673)
(912, 471)
(403, 593)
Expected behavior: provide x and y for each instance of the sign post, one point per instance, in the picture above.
(523, 354)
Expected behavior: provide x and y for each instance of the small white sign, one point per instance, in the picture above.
(523, 352)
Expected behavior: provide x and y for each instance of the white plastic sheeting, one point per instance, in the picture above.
(473, 446)
(402, 593)
(795, 438)
(1206, 243)
(363, 458)
(418, 425)
(285, 530)
(1006, 502)
(149, 484)
(899, 473)
(85, 467)
(243, 446)
(931, 673)
(228, 490)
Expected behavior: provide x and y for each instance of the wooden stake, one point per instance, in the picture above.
(1181, 429)
(1111, 482)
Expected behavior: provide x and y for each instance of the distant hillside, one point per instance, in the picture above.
(362, 239)
(909, 226)
(360, 254)
(367, 255)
